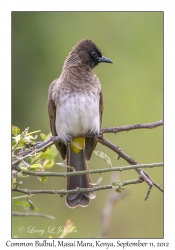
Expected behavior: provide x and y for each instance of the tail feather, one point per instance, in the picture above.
(77, 160)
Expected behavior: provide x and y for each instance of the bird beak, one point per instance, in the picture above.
(104, 59)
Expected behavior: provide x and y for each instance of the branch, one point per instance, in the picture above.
(131, 127)
(33, 150)
(78, 190)
(33, 214)
(54, 139)
(143, 176)
(94, 171)
(61, 192)
(116, 149)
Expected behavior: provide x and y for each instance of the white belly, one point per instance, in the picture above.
(77, 115)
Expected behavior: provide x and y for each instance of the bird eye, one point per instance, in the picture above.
(93, 54)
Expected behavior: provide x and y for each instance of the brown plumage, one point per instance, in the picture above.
(75, 106)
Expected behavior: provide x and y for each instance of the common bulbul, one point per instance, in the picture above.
(75, 106)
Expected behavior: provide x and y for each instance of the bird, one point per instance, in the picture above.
(75, 107)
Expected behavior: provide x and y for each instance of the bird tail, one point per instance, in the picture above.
(76, 159)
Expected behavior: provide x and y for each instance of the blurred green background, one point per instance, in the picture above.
(133, 93)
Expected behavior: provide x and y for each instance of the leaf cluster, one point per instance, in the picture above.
(38, 162)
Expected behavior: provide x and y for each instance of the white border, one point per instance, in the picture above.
(169, 93)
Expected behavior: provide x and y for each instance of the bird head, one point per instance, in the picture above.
(87, 54)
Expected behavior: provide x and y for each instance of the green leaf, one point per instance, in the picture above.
(35, 158)
(46, 156)
(14, 183)
(20, 175)
(118, 187)
(24, 168)
(17, 138)
(53, 151)
(31, 206)
(34, 132)
(104, 157)
(37, 165)
(15, 130)
(24, 164)
(48, 136)
(99, 180)
(20, 203)
(48, 164)
(97, 183)
(27, 205)
(43, 179)
(43, 136)
(64, 166)
(29, 139)
(115, 184)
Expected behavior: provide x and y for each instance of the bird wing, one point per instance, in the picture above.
(101, 107)
(52, 116)
(90, 142)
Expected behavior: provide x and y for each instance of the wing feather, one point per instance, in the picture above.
(52, 116)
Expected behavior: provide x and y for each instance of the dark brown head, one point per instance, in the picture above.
(86, 53)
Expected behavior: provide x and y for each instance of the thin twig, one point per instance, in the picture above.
(33, 214)
(36, 150)
(22, 136)
(20, 197)
(157, 186)
(148, 193)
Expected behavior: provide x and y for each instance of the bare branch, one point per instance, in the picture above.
(142, 174)
(61, 192)
(78, 190)
(33, 214)
(116, 149)
(131, 127)
(93, 171)
(149, 190)
(157, 186)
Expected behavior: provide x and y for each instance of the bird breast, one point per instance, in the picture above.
(77, 113)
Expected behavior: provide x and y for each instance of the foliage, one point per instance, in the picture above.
(40, 161)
